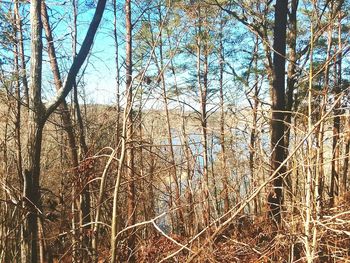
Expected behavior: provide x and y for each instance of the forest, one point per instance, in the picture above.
(174, 131)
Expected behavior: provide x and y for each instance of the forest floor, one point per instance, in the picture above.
(247, 240)
(261, 241)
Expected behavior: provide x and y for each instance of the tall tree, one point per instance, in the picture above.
(23, 72)
(224, 170)
(161, 76)
(130, 151)
(38, 116)
(31, 189)
(278, 106)
(335, 183)
(202, 34)
(127, 151)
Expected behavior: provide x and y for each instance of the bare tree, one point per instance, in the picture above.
(38, 115)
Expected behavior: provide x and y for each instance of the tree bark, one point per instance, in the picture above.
(129, 134)
(31, 189)
(278, 106)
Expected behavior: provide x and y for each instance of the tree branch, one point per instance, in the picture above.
(78, 61)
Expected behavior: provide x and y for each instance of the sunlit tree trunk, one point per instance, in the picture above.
(117, 71)
(31, 189)
(335, 183)
(308, 225)
(131, 213)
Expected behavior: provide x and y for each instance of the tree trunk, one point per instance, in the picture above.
(278, 106)
(321, 131)
(67, 122)
(160, 67)
(335, 184)
(291, 85)
(18, 93)
(126, 153)
(117, 71)
(23, 72)
(38, 115)
(31, 189)
(203, 77)
(129, 134)
(83, 176)
(224, 171)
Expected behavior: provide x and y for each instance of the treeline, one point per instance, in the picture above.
(227, 141)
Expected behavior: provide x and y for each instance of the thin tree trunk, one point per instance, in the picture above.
(311, 190)
(334, 187)
(253, 134)
(189, 223)
(18, 96)
(203, 114)
(84, 197)
(17, 124)
(335, 183)
(224, 171)
(117, 71)
(118, 146)
(129, 134)
(67, 123)
(23, 72)
(212, 170)
(179, 212)
(321, 131)
(121, 159)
